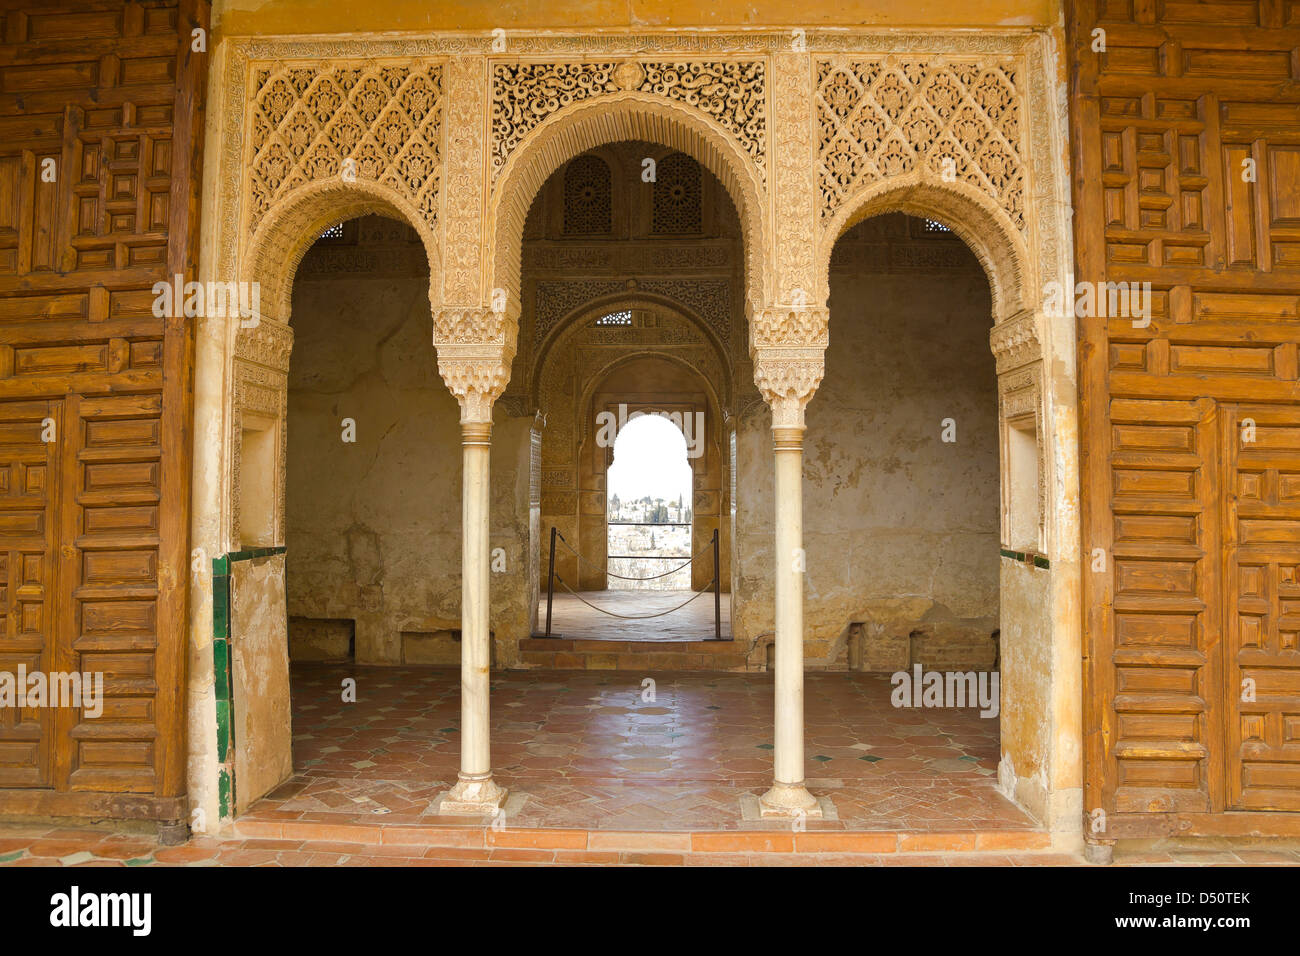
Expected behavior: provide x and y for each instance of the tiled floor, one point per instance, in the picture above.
(97, 846)
(600, 774)
(584, 749)
(573, 619)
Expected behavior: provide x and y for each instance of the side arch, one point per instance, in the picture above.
(610, 119)
(969, 213)
(290, 228)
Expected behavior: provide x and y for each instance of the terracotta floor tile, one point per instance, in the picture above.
(597, 776)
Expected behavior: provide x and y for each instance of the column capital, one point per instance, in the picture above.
(1015, 341)
(476, 375)
(475, 325)
(788, 326)
(787, 379)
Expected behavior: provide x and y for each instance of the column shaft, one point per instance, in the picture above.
(789, 796)
(475, 640)
(789, 611)
(475, 790)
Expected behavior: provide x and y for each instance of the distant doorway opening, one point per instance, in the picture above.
(649, 507)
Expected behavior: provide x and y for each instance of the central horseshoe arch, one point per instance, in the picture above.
(614, 118)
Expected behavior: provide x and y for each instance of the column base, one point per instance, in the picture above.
(1103, 854)
(473, 796)
(789, 800)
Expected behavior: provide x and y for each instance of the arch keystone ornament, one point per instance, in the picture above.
(629, 75)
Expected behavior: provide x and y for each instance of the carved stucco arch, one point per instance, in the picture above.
(260, 366)
(970, 214)
(609, 119)
(295, 222)
(1014, 339)
(600, 377)
(588, 312)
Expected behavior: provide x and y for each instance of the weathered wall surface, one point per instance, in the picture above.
(260, 679)
(374, 525)
(1027, 726)
(900, 527)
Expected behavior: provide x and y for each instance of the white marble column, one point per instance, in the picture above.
(788, 378)
(475, 790)
(477, 379)
(788, 794)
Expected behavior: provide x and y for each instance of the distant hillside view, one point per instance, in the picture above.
(649, 507)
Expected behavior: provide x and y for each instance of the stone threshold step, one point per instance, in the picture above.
(578, 661)
(474, 835)
(607, 647)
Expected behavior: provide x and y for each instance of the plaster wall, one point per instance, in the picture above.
(1027, 719)
(260, 679)
(374, 525)
(900, 527)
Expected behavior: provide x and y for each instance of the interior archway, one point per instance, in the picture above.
(905, 529)
(321, 439)
(625, 116)
(633, 305)
(650, 489)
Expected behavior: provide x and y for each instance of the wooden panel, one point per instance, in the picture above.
(29, 476)
(1163, 471)
(1186, 165)
(1262, 451)
(100, 122)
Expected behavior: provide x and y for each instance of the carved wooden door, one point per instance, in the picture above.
(1261, 453)
(1186, 142)
(100, 115)
(28, 521)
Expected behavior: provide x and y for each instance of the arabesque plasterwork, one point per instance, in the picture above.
(455, 132)
(807, 131)
(378, 120)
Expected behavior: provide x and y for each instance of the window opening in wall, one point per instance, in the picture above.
(649, 507)
(257, 483)
(333, 232)
(930, 225)
(678, 197)
(1022, 484)
(614, 318)
(588, 209)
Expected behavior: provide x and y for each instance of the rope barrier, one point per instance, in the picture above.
(714, 585)
(623, 577)
(632, 617)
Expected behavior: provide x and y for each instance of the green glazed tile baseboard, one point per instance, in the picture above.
(1023, 558)
(221, 669)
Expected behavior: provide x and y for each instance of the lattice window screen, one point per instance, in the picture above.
(678, 205)
(587, 206)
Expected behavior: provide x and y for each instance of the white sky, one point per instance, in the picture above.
(650, 459)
